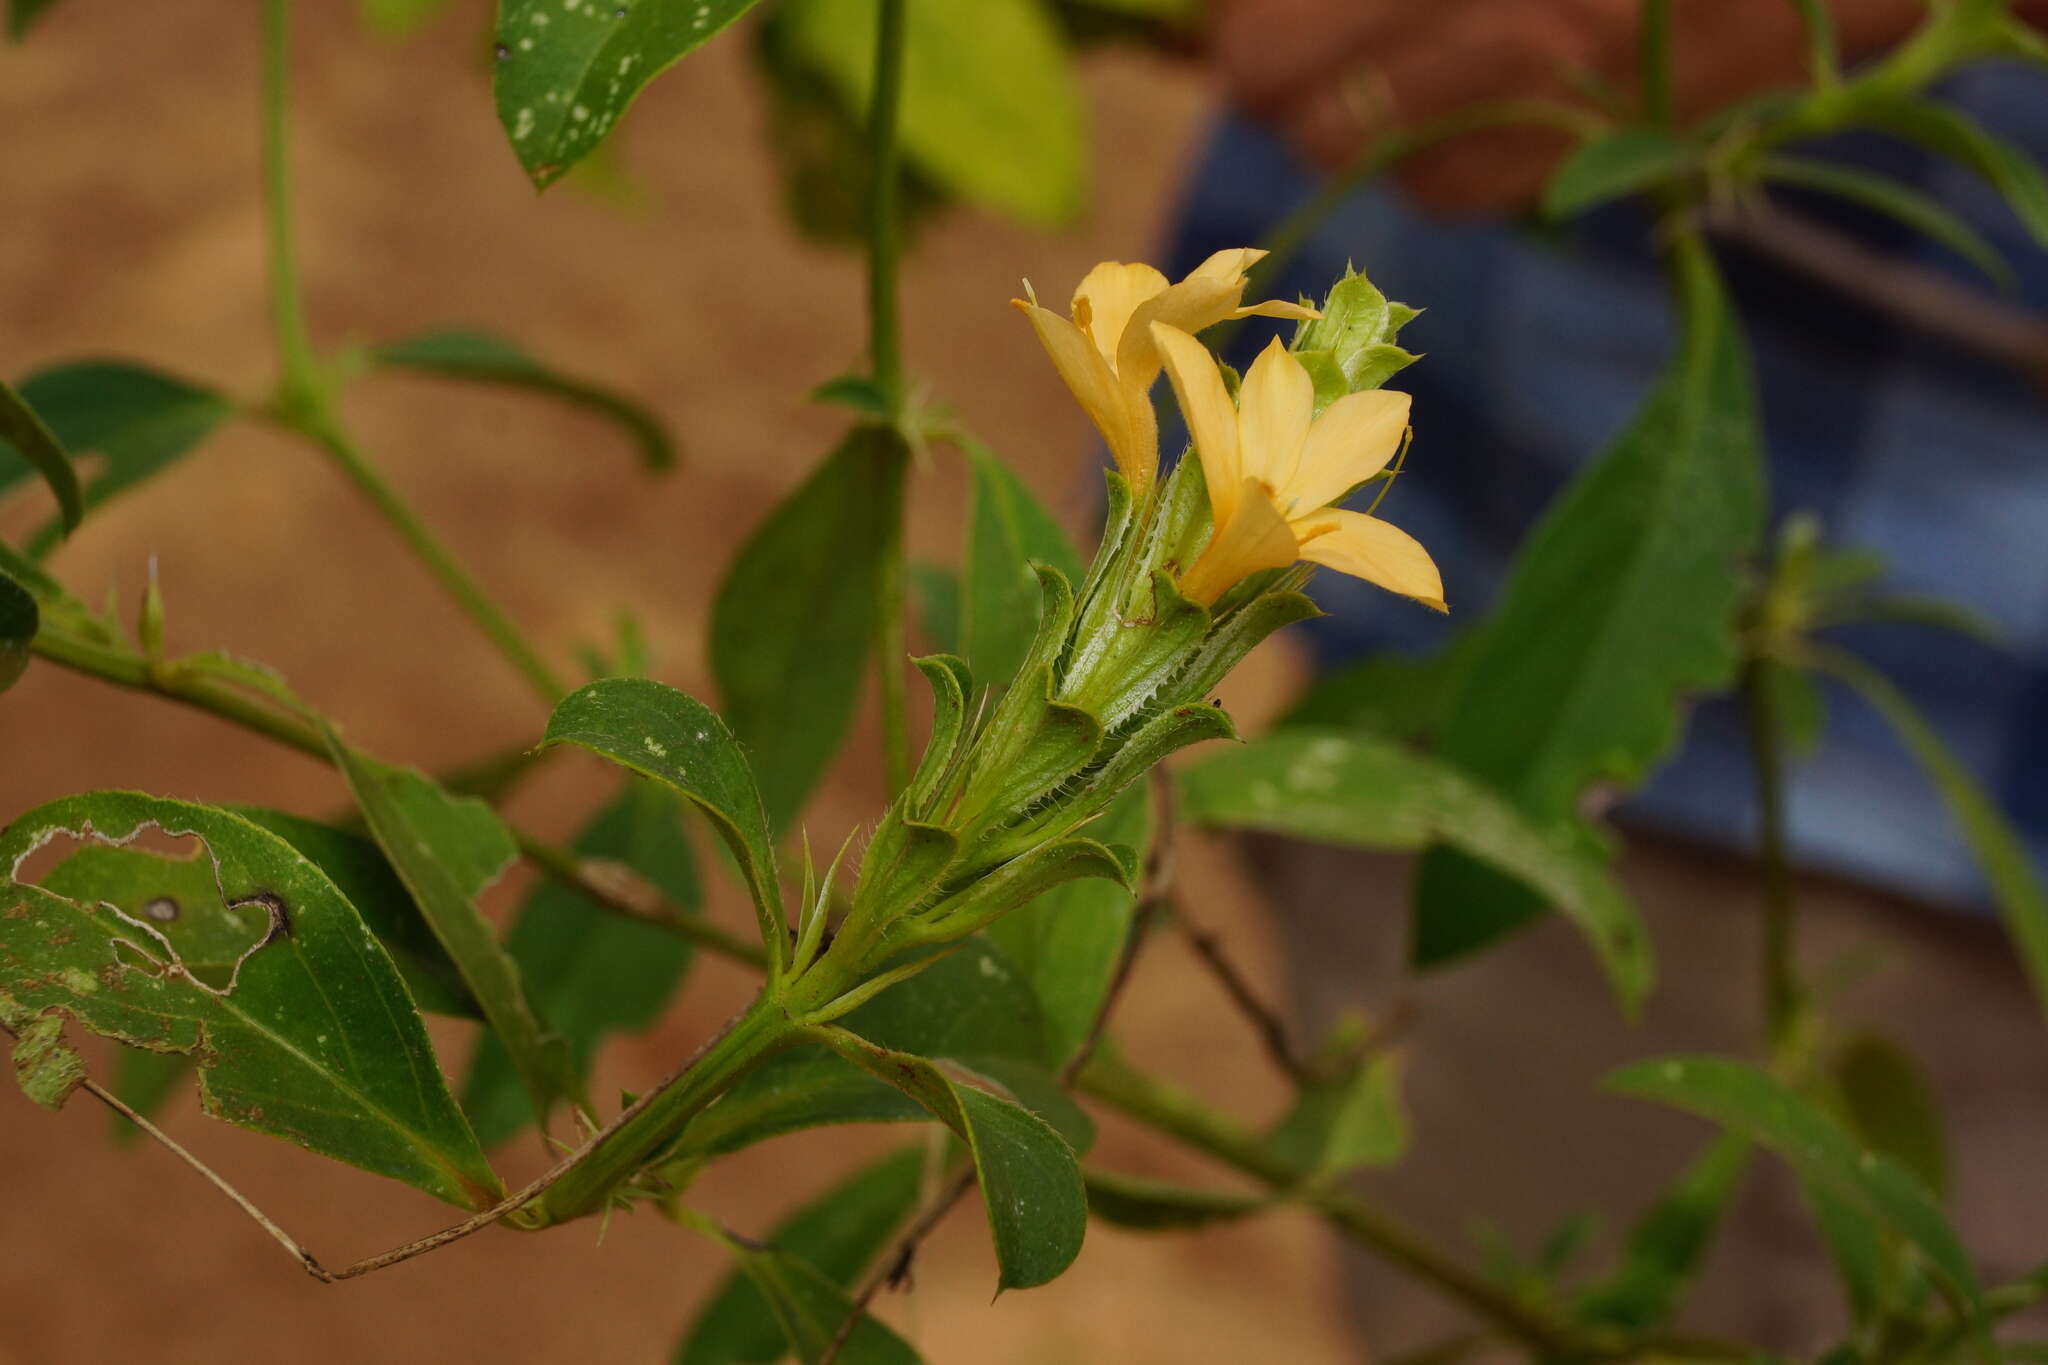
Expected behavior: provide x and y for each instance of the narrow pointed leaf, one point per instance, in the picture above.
(838, 1234)
(1623, 600)
(815, 559)
(479, 357)
(1942, 130)
(309, 1035)
(35, 444)
(592, 974)
(1350, 789)
(1667, 1245)
(675, 739)
(1895, 200)
(447, 850)
(567, 73)
(1625, 162)
(1142, 1205)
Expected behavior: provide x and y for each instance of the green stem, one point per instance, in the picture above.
(431, 551)
(656, 1117)
(1779, 974)
(1182, 1116)
(885, 361)
(288, 311)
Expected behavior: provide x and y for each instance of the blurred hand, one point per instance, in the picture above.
(1330, 74)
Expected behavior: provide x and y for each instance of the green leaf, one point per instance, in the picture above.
(459, 353)
(144, 1081)
(837, 1234)
(45, 1066)
(446, 850)
(1142, 1205)
(592, 973)
(1066, 944)
(1361, 792)
(2000, 851)
(1627, 161)
(1389, 695)
(566, 74)
(790, 694)
(310, 1035)
(936, 591)
(1030, 1181)
(807, 1308)
(1887, 1104)
(137, 420)
(1767, 1111)
(38, 445)
(359, 868)
(20, 619)
(1341, 1125)
(1668, 1244)
(1944, 131)
(1857, 1244)
(660, 733)
(23, 13)
(1007, 531)
(1624, 598)
(992, 110)
(972, 1004)
(1884, 195)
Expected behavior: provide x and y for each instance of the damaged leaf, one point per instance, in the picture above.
(306, 1034)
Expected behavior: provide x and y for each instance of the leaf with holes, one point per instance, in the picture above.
(837, 1234)
(566, 72)
(138, 421)
(447, 850)
(481, 358)
(308, 1034)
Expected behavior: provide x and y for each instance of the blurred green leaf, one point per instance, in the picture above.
(1856, 1244)
(1944, 131)
(20, 619)
(21, 14)
(838, 1234)
(33, 443)
(1823, 53)
(1007, 531)
(1627, 161)
(446, 850)
(936, 591)
(1030, 1181)
(807, 1308)
(460, 353)
(1341, 1125)
(2000, 851)
(992, 110)
(1920, 609)
(789, 694)
(1142, 1205)
(399, 18)
(1884, 195)
(1767, 1111)
(1623, 599)
(144, 1081)
(1067, 943)
(1798, 704)
(1654, 61)
(136, 420)
(1668, 1244)
(566, 74)
(1888, 1105)
(1361, 792)
(308, 1035)
(1390, 695)
(591, 973)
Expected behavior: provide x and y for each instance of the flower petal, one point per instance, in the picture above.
(1277, 308)
(1106, 298)
(1228, 266)
(1212, 421)
(1349, 443)
(1190, 306)
(1377, 551)
(1274, 408)
(1254, 539)
(1089, 377)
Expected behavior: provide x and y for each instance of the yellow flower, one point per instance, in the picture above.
(1273, 468)
(1106, 353)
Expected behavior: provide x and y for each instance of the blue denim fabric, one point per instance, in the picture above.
(1539, 348)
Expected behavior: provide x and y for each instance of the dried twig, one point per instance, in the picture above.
(1265, 1021)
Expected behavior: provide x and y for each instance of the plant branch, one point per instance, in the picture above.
(1265, 1022)
(288, 311)
(1778, 969)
